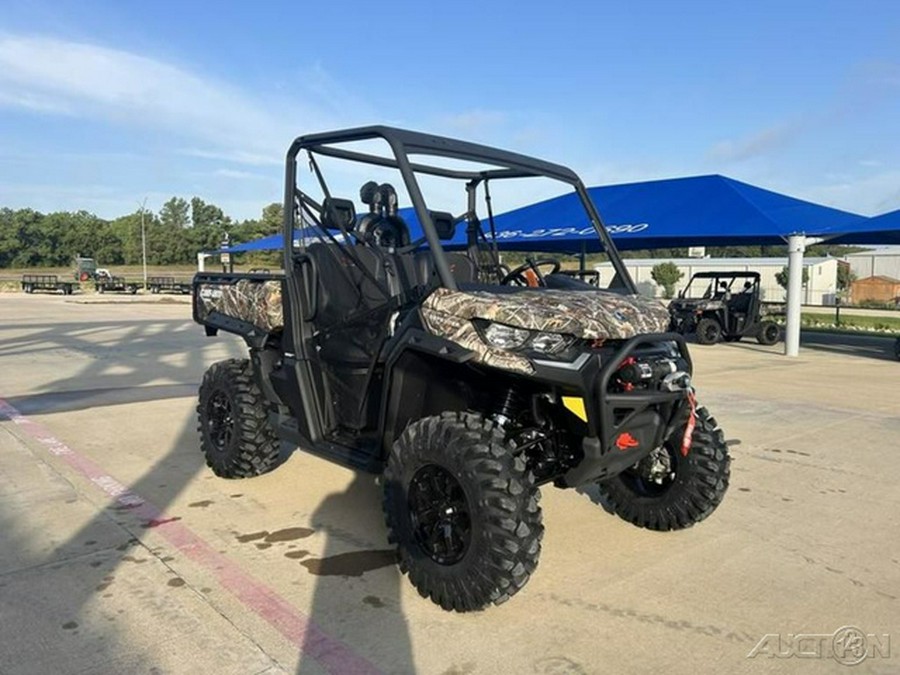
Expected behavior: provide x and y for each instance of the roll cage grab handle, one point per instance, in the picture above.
(403, 143)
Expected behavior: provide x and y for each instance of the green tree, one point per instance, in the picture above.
(127, 229)
(269, 223)
(845, 276)
(176, 213)
(666, 275)
(205, 215)
(272, 218)
(782, 277)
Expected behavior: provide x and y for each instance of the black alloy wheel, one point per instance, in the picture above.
(220, 420)
(439, 512)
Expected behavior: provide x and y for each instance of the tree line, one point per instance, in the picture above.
(174, 235)
(181, 228)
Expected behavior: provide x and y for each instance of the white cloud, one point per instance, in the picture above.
(760, 143)
(240, 175)
(474, 122)
(48, 75)
(869, 195)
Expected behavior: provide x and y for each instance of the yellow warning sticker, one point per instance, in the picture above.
(575, 405)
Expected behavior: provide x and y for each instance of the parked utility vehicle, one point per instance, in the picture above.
(443, 371)
(723, 306)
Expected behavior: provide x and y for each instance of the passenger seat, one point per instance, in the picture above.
(461, 267)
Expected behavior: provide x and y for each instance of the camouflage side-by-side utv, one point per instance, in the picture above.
(396, 342)
(726, 306)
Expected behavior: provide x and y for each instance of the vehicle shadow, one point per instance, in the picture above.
(866, 346)
(68, 595)
(592, 492)
(357, 592)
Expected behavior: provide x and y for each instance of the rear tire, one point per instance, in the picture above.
(482, 543)
(769, 333)
(235, 434)
(693, 491)
(709, 331)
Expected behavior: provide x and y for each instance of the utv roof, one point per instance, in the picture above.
(504, 164)
(714, 275)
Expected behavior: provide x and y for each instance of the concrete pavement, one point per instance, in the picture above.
(120, 552)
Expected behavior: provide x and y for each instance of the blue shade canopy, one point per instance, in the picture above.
(673, 213)
(880, 230)
(678, 212)
(274, 241)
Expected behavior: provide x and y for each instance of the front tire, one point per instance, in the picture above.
(463, 511)
(769, 333)
(235, 434)
(687, 493)
(709, 331)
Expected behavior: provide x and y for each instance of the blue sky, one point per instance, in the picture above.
(103, 103)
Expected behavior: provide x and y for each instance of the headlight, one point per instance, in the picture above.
(505, 337)
(501, 336)
(550, 343)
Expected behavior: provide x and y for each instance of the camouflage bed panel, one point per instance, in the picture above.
(257, 302)
(584, 314)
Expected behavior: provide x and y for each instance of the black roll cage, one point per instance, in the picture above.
(404, 143)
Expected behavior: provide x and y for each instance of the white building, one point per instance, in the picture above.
(882, 261)
(820, 290)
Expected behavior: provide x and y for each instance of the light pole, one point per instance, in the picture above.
(144, 243)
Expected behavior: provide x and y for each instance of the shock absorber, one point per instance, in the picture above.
(509, 407)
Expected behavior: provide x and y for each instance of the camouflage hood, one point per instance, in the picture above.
(695, 304)
(584, 314)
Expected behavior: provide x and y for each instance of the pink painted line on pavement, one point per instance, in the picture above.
(332, 654)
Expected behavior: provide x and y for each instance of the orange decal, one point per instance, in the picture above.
(626, 441)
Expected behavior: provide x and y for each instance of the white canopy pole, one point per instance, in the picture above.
(796, 248)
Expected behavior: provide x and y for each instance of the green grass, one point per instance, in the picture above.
(879, 324)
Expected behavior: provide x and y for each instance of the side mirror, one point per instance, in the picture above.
(338, 214)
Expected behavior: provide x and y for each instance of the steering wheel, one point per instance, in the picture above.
(517, 275)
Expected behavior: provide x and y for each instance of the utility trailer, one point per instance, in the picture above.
(168, 285)
(115, 285)
(46, 282)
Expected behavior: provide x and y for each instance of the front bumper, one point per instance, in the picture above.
(623, 427)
